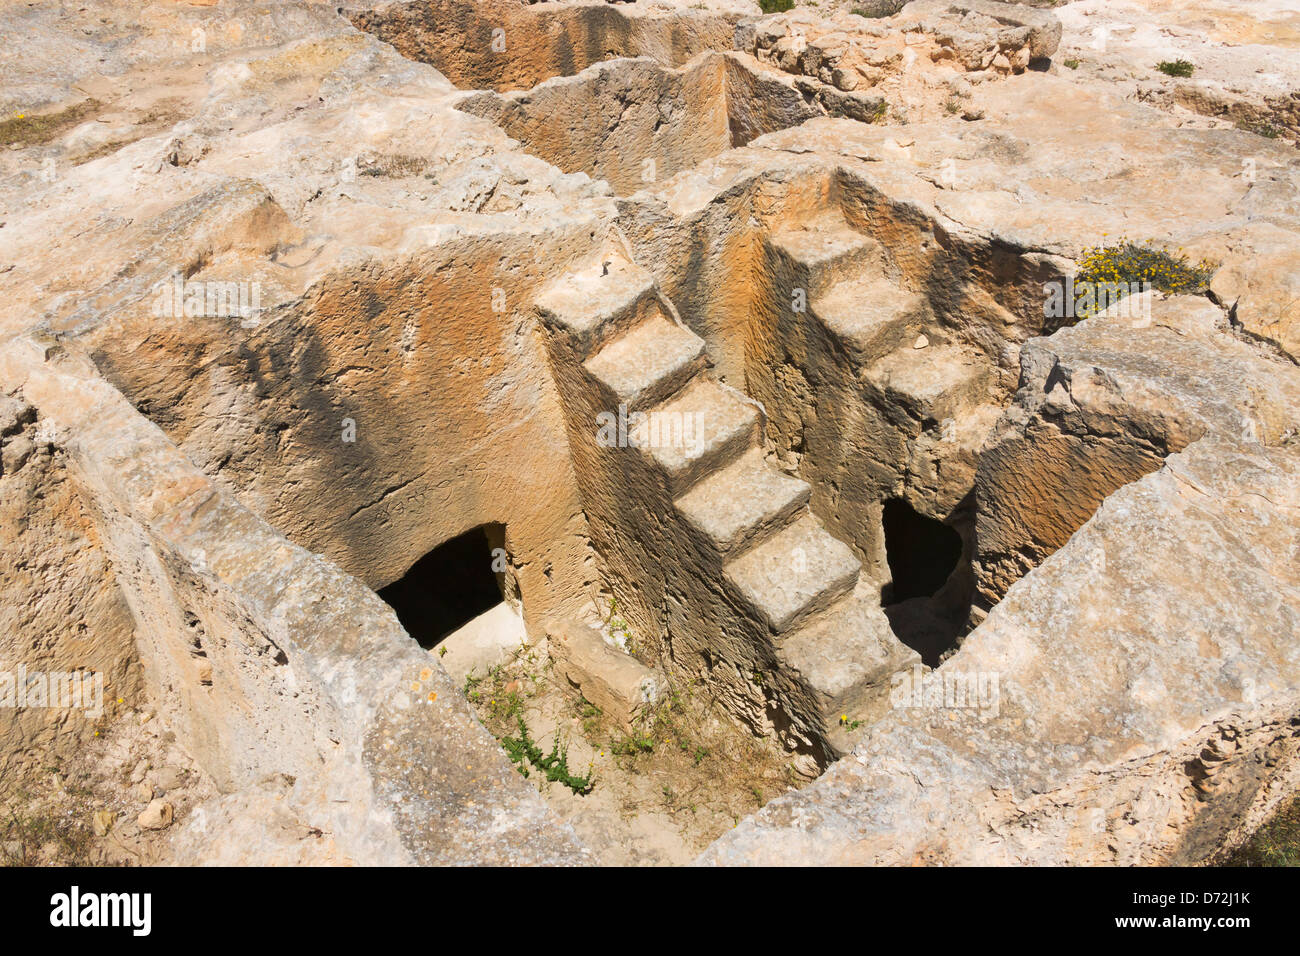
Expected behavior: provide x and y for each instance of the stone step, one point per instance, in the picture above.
(743, 503)
(621, 686)
(794, 573)
(826, 250)
(942, 461)
(972, 425)
(648, 363)
(872, 316)
(848, 654)
(702, 428)
(936, 382)
(596, 304)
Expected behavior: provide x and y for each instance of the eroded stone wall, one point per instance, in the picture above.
(290, 682)
(1182, 742)
(389, 408)
(507, 46)
(62, 607)
(637, 123)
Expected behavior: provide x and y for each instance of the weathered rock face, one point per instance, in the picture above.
(67, 637)
(1101, 404)
(373, 448)
(854, 55)
(506, 46)
(635, 124)
(371, 407)
(1172, 745)
(281, 310)
(620, 685)
(1245, 69)
(1258, 278)
(268, 660)
(218, 608)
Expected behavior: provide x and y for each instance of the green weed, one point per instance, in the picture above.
(1180, 68)
(522, 750)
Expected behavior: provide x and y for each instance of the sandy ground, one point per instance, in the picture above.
(657, 797)
(88, 810)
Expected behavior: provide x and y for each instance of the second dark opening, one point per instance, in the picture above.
(922, 552)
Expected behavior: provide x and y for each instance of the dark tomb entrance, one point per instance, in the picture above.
(450, 586)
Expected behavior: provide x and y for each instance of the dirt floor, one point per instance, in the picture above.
(656, 796)
(1276, 843)
(94, 810)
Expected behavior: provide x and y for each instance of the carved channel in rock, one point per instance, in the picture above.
(511, 46)
(636, 123)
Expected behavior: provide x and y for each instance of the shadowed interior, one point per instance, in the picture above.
(448, 587)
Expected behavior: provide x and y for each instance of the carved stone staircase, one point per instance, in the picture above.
(877, 323)
(871, 327)
(712, 506)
